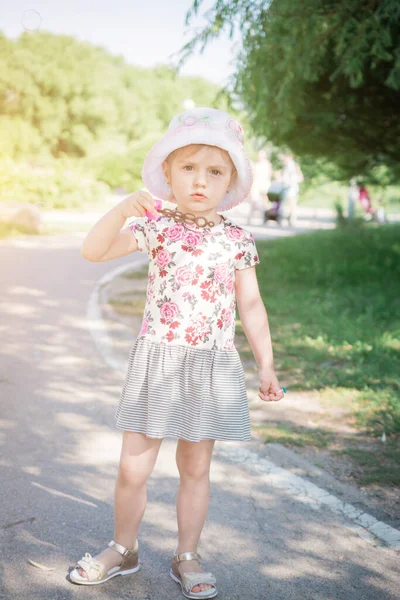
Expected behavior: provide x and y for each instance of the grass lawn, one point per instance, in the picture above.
(333, 301)
(8, 231)
(326, 195)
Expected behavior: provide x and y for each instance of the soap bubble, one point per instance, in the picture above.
(31, 20)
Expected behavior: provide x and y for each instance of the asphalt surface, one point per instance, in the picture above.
(59, 455)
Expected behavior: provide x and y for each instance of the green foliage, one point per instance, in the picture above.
(19, 138)
(57, 184)
(381, 465)
(63, 97)
(122, 168)
(287, 433)
(322, 78)
(333, 299)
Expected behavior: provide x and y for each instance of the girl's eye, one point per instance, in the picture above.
(188, 167)
(216, 172)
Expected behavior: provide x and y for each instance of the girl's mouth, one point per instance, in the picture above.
(199, 196)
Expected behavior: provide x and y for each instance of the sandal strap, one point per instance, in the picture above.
(87, 563)
(190, 580)
(119, 548)
(187, 556)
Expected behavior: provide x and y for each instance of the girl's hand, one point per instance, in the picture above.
(269, 390)
(136, 205)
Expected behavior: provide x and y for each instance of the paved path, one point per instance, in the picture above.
(308, 219)
(265, 535)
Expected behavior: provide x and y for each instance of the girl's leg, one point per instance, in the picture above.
(193, 461)
(138, 457)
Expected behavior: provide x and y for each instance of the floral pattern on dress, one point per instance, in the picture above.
(226, 318)
(191, 241)
(199, 329)
(191, 287)
(147, 324)
(163, 259)
(220, 281)
(186, 275)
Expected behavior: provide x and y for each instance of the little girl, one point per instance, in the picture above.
(185, 378)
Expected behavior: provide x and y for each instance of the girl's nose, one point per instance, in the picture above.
(200, 179)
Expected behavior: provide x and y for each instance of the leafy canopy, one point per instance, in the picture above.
(63, 97)
(319, 76)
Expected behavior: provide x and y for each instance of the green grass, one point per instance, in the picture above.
(333, 300)
(381, 467)
(8, 230)
(138, 274)
(323, 196)
(374, 463)
(295, 435)
(134, 306)
(326, 195)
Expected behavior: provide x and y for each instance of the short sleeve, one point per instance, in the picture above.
(248, 255)
(140, 231)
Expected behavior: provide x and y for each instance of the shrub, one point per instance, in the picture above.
(56, 183)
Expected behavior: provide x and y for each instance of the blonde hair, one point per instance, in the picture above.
(191, 149)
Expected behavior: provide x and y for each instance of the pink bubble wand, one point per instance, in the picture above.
(157, 206)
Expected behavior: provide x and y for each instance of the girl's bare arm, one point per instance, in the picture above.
(255, 324)
(254, 317)
(106, 240)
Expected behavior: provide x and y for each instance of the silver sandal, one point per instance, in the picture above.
(188, 581)
(97, 573)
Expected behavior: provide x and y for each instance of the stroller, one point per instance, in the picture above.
(276, 195)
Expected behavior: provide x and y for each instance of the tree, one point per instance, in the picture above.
(63, 100)
(321, 77)
(71, 98)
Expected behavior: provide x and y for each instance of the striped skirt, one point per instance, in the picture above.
(183, 392)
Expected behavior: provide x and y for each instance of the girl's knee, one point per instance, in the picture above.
(138, 457)
(193, 471)
(193, 459)
(193, 467)
(131, 476)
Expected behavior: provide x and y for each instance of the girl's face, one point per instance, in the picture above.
(199, 179)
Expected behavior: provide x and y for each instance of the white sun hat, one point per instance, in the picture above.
(201, 125)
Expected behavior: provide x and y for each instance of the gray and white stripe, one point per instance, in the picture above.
(184, 392)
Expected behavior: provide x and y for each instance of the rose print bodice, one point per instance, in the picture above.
(191, 286)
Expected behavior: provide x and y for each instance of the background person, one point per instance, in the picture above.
(262, 172)
(292, 176)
